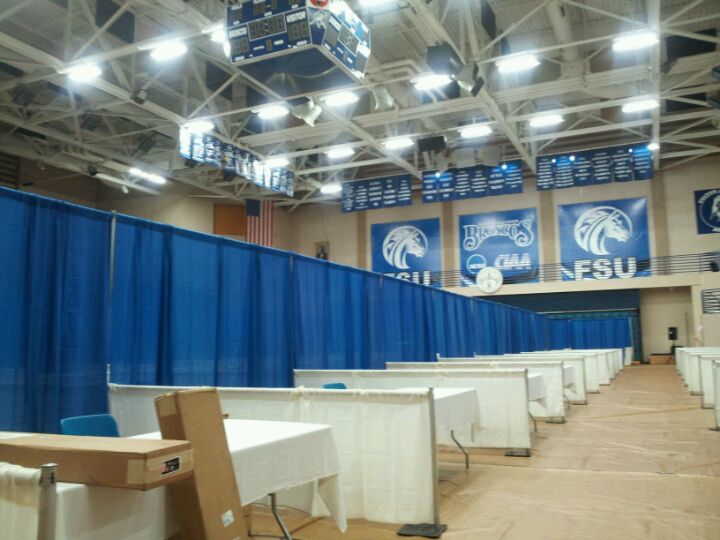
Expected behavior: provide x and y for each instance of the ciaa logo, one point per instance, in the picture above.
(519, 232)
(401, 242)
(597, 231)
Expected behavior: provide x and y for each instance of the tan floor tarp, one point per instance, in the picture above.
(637, 462)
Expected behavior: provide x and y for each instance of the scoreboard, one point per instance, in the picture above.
(303, 38)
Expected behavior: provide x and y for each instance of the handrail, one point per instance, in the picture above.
(655, 266)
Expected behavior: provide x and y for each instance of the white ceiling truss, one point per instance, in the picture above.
(107, 125)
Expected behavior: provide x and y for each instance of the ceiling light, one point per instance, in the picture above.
(272, 112)
(638, 40)
(150, 177)
(340, 99)
(84, 73)
(219, 35)
(546, 120)
(168, 50)
(517, 62)
(331, 188)
(341, 152)
(653, 146)
(640, 105)
(199, 126)
(430, 82)
(273, 163)
(399, 143)
(472, 132)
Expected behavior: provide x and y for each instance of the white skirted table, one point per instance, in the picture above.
(455, 408)
(268, 457)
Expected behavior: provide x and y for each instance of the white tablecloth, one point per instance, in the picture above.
(268, 457)
(536, 387)
(455, 408)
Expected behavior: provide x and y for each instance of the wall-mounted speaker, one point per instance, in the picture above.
(672, 333)
(432, 144)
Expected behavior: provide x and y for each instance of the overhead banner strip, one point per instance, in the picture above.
(374, 193)
(473, 182)
(209, 150)
(590, 167)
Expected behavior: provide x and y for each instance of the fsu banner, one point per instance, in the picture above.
(604, 240)
(408, 250)
(506, 240)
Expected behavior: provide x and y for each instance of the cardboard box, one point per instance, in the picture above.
(208, 503)
(103, 461)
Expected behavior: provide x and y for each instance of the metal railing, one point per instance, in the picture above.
(655, 266)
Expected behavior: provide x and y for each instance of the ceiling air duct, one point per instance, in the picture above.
(300, 46)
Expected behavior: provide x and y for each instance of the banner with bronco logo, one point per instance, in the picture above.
(604, 240)
(408, 250)
(506, 240)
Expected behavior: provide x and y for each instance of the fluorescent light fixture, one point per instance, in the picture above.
(331, 188)
(84, 73)
(340, 99)
(472, 132)
(517, 62)
(341, 152)
(546, 120)
(168, 50)
(398, 144)
(637, 40)
(641, 105)
(430, 82)
(273, 163)
(653, 146)
(150, 177)
(199, 126)
(272, 112)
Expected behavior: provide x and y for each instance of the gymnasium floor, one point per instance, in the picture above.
(638, 462)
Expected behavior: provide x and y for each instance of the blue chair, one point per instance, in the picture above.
(334, 386)
(93, 425)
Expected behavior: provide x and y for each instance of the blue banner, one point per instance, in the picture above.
(408, 250)
(707, 211)
(600, 166)
(472, 182)
(604, 240)
(506, 240)
(209, 150)
(373, 193)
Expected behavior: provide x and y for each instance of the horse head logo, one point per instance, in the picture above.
(595, 226)
(401, 242)
(715, 209)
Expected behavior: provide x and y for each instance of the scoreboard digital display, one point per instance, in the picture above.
(267, 27)
(322, 47)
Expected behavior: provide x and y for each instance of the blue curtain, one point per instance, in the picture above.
(54, 280)
(195, 309)
(186, 308)
(587, 333)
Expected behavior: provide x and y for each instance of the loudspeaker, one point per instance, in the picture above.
(672, 333)
(443, 60)
(714, 266)
(432, 144)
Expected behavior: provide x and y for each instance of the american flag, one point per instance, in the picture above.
(259, 222)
